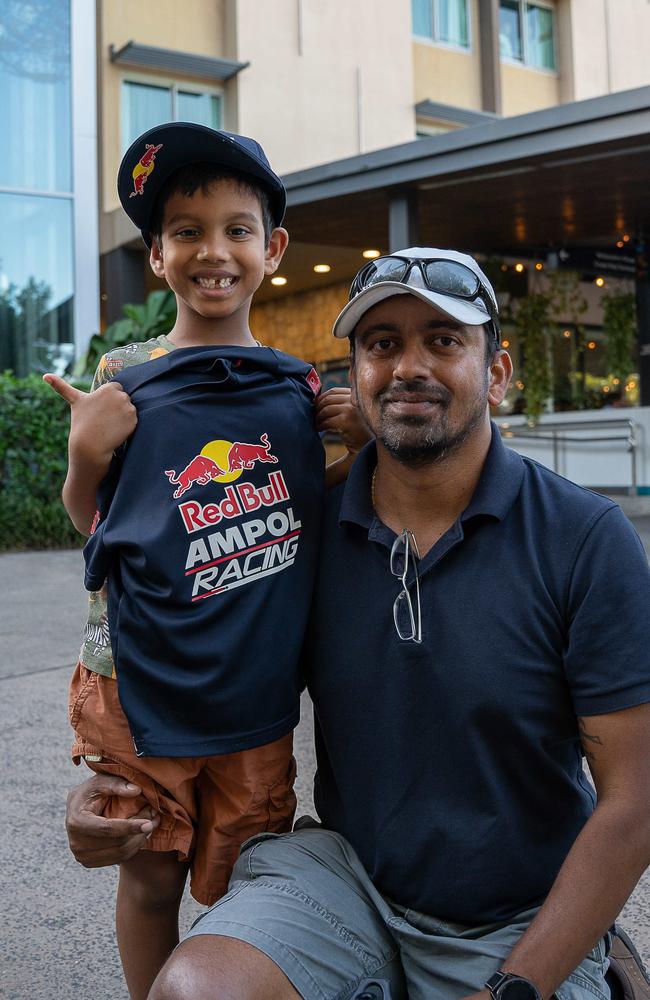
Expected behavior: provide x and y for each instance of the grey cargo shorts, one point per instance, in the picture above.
(305, 901)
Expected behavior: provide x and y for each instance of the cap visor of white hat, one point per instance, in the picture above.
(468, 313)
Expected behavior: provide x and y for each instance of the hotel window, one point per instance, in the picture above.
(145, 105)
(443, 21)
(527, 33)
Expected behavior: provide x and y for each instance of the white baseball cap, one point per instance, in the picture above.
(469, 312)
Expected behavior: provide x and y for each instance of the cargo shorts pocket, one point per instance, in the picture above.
(83, 683)
(275, 803)
(282, 801)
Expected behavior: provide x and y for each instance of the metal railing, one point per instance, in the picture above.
(566, 432)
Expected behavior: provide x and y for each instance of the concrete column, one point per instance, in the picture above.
(643, 317)
(123, 280)
(402, 221)
(488, 13)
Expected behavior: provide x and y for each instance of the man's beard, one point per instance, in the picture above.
(417, 441)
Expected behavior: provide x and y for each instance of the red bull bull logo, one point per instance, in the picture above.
(220, 461)
(143, 168)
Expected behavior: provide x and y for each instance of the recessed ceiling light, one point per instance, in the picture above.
(371, 254)
(322, 268)
(278, 280)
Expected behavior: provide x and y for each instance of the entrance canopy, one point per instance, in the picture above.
(576, 174)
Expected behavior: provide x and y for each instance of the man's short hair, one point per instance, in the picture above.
(200, 176)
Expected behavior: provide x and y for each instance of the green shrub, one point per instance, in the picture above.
(34, 424)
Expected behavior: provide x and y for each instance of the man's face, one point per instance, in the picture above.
(421, 380)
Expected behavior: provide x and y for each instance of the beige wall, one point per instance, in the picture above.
(524, 89)
(195, 26)
(610, 42)
(447, 75)
(350, 91)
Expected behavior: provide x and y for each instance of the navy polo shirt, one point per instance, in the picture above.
(454, 767)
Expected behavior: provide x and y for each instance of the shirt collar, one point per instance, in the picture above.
(496, 491)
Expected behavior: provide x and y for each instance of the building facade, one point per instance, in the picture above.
(336, 93)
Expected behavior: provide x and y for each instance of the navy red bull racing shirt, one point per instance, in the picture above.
(207, 534)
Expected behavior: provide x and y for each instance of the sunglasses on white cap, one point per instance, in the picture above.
(446, 277)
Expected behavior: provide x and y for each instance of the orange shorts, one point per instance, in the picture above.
(208, 805)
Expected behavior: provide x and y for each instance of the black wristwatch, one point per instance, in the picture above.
(508, 986)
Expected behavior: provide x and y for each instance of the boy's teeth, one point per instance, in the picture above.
(215, 282)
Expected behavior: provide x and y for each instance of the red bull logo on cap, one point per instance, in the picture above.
(220, 461)
(143, 168)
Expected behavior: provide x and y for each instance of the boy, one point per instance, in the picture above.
(210, 209)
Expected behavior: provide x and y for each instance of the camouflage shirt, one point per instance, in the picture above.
(95, 651)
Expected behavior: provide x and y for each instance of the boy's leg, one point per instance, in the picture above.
(148, 898)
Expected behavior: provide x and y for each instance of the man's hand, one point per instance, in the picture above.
(336, 412)
(96, 841)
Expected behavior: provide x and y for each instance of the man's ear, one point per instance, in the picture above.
(275, 250)
(156, 258)
(500, 373)
(353, 382)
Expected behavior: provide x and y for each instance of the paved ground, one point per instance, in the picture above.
(57, 919)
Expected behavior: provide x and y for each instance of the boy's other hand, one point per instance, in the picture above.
(100, 421)
(96, 841)
(336, 412)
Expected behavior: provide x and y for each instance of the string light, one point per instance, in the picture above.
(322, 268)
(505, 344)
(592, 345)
(600, 282)
(371, 254)
(279, 280)
(539, 266)
(520, 268)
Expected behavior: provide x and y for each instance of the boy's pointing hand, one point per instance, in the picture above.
(100, 421)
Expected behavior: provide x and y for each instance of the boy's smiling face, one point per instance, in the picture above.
(212, 254)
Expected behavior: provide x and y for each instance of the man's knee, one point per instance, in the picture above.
(212, 967)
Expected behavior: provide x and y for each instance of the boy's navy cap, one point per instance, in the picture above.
(156, 154)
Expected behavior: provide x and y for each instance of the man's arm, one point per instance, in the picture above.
(605, 862)
(96, 841)
(100, 422)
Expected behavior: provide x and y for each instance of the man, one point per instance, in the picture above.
(479, 624)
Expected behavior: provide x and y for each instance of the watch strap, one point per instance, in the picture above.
(500, 979)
